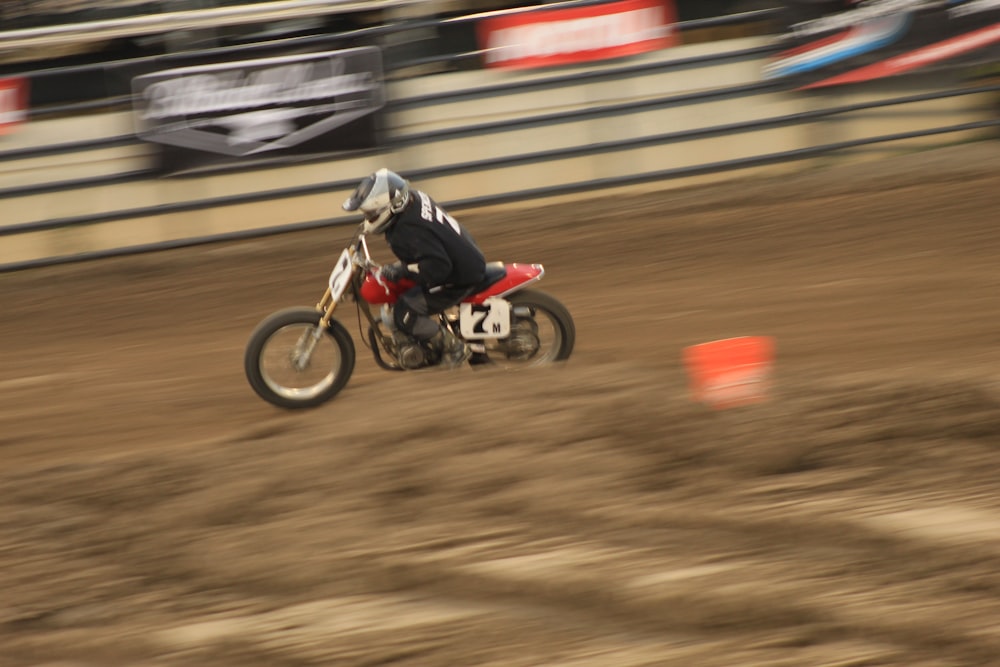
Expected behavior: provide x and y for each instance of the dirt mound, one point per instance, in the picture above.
(587, 515)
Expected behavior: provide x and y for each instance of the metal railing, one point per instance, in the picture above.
(551, 82)
(376, 35)
(588, 149)
(148, 24)
(538, 120)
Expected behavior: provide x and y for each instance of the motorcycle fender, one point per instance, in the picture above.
(489, 319)
(518, 276)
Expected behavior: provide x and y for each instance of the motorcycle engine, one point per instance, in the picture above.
(409, 353)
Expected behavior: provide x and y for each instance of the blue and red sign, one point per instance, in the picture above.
(887, 38)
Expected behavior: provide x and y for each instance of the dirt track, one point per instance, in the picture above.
(153, 511)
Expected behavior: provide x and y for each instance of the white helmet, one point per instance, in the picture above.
(379, 196)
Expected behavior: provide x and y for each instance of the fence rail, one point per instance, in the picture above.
(479, 92)
(377, 35)
(147, 24)
(589, 149)
(766, 124)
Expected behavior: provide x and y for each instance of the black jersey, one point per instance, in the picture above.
(436, 249)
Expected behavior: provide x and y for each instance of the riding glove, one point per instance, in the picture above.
(393, 272)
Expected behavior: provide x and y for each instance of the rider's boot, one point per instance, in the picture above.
(454, 351)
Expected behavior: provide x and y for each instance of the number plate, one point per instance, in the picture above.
(489, 320)
(340, 277)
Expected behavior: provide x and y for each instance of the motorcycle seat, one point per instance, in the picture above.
(495, 272)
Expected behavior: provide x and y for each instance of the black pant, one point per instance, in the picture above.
(415, 305)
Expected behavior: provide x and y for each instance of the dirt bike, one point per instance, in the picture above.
(302, 357)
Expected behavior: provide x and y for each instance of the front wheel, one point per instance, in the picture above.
(542, 332)
(292, 363)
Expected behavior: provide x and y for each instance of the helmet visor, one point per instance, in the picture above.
(353, 203)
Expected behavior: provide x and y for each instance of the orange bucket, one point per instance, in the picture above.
(730, 372)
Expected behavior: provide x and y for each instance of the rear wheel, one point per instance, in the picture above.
(292, 363)
(542, 332)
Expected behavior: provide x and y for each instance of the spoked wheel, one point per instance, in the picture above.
(292, 363)
(542, 332)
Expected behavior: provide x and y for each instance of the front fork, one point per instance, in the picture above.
(302, 354)
(326, 306)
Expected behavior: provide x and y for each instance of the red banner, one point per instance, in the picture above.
(564, 36)
(13, 103)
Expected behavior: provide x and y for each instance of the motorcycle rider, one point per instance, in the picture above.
(433, 250)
